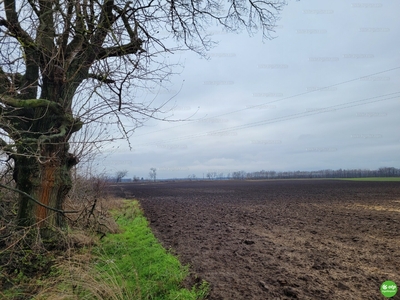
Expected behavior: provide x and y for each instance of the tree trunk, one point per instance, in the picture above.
(47, 179)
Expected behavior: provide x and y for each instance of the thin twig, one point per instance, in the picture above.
(37, 202)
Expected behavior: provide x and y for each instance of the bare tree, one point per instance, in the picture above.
(239, 175)
(212, 175)
(153, 174)
(120, 174)
(192, 176)
(65, 65)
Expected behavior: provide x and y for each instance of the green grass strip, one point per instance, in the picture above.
(141, 264)
(372, 179)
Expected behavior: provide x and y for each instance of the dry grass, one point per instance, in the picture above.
(78, 279)
(28, 269)
(76, 276)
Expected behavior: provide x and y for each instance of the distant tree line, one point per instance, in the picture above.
(328, 173)
(242, 175)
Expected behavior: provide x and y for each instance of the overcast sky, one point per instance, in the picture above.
(324, 94)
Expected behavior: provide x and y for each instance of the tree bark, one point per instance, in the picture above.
(43, 166)
(48, 181)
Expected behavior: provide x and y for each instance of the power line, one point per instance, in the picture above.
(284, 118)
(317, 111)
(277, 100)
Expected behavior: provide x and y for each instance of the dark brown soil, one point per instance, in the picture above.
(281, 239)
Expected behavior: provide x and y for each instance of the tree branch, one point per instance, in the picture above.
(101, 78)
(30, 103)
(6, 148)
(28, 44)
(131, 48)
(13, 25)
(37, 202)
(67, 27)
(122, 13)
(69, 126)
(46, 30)
(105, 23)
(76, 44)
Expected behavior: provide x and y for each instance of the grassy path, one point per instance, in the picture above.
(140, 263)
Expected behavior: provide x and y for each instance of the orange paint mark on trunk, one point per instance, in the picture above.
(45, 192)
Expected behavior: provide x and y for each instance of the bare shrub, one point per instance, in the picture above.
(90, 198)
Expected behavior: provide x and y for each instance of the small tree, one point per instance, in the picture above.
(153, 174)
(192, 176)
(119, 175)
(212, 175)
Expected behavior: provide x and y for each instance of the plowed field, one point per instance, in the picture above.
(280, 239)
